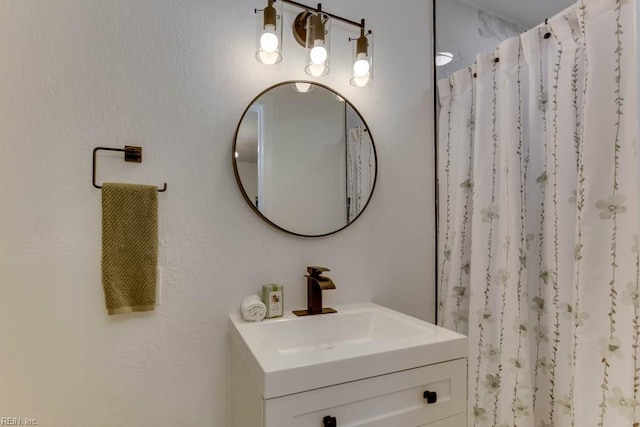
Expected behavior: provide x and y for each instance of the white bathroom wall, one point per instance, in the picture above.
(175, 77)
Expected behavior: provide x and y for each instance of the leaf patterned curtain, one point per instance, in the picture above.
(539, 222)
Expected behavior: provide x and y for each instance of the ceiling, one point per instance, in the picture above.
(527, 13)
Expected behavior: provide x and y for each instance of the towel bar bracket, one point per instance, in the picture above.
(132, 153)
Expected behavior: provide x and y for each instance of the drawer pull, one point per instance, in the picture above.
(329, 421)
(431, 396)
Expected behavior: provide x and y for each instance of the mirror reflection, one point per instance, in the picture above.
(304, 159)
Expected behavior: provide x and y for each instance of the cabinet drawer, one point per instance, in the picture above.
(388, 400)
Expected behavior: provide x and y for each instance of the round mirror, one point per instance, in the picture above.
(304, 159)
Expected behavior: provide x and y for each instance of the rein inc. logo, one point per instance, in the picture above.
(18, 421)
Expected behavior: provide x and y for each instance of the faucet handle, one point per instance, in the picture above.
(315, 270)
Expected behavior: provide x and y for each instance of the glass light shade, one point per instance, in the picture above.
(362, 70)
(269, 34)
(318, 44)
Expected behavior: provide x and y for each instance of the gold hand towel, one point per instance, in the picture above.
(129, 247)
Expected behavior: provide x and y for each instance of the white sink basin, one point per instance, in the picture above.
(294, 354)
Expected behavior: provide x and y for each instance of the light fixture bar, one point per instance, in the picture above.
(319, 10)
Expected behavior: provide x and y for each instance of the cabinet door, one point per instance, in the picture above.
(389, 400)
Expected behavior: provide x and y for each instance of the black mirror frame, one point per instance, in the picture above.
(237, 175)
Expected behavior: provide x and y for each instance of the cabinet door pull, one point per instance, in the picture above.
(329, 421)
(431, 396)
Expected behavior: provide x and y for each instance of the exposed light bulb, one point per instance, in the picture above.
(318, 55)
(361, 68)
(269, 41)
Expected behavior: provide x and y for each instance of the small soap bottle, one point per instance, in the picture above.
(273, 298)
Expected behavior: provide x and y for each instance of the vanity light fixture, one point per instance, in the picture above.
(312, 30)
(318, 43)
(269, 49)
(362, 59)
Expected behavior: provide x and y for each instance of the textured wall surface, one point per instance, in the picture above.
(174, 77)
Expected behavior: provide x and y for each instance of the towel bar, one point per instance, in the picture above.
(131, 154)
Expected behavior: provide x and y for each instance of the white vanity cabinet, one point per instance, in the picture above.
(394, 387)
(391, 400)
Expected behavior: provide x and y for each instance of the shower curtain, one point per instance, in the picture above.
(539, 254)
(360, 170)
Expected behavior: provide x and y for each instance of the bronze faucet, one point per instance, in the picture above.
(316, 283)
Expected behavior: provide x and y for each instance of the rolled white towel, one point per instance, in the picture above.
(253, 309)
